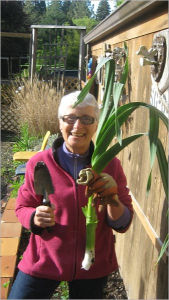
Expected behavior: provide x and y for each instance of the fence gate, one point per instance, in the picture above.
(53, 61)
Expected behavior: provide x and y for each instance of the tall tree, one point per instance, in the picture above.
(80, 9)
(40, 6)
(73, 39)
(35, 10)
(54, 14)
(103, 10)
(13, 19)
(66, 6)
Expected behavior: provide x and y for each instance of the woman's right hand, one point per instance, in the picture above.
(44, 216)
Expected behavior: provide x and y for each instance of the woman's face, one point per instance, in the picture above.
(78, 136)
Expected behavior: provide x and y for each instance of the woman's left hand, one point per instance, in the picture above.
(104, 190)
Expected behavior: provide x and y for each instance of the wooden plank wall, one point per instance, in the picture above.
(137, 255)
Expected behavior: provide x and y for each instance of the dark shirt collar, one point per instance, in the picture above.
(73, 154)
(59, 141)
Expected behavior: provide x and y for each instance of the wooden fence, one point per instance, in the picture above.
(136, 23)
(9, 121)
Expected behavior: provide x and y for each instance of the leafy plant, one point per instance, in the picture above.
(112, 118)
(62, 291)
(23, 142)
(15, 185)
(6, 284)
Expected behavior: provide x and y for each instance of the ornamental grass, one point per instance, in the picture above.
(35, 104)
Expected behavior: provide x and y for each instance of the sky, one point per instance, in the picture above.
(96, 2)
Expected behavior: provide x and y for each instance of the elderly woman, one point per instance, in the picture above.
(55, 256)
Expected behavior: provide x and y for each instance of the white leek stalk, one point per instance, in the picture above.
(91, 223)
(85, 176)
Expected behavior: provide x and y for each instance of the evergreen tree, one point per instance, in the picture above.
(103, 10)
(13, 19)
(91, 8)
(40, 6)
(66, 6)
(35, 10)
(73, 38)
(54, 14)
(80, 9)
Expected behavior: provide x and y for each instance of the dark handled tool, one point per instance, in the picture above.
(43, 183)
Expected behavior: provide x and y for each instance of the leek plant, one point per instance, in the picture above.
(112, 117)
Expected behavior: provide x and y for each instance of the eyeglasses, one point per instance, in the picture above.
(85, 120)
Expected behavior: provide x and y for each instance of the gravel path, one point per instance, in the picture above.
(115, 288)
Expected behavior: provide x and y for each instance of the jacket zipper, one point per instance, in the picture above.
(77, 219)
(75, 168)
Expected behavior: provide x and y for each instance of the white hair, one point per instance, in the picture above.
(70, 99)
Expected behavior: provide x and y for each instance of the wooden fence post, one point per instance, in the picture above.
(81, 71)
(33, 53)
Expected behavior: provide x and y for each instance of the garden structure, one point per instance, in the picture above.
(12, 64)
(50, 64)
(58, 60)
(138, 23)
(142, 25)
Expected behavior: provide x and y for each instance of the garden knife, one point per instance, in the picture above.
(43, 182)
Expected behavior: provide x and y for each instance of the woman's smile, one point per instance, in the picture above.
(77, 134)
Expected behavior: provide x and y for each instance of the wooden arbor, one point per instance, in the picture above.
(81, 75)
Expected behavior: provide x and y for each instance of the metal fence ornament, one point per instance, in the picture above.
(157, 58)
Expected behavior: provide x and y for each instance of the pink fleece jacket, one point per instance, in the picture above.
(58, 255)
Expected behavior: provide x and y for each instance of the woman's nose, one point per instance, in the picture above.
(77, 124)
